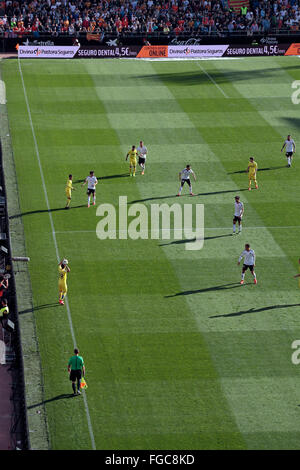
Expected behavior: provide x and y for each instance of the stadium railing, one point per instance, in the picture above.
(14, 355)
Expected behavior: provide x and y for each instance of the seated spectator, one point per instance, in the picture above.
(4, 311)
(3, 285)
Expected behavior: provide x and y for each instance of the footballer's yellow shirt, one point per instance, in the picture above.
(252, 167)
(132, 154)
(62, 274)
(69, 185)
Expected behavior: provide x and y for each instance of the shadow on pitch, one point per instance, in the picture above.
(190, 240)
(153, 198)
(108, 177)
(43, 211)
(233, 285)
(254, 310)
(222, 192)
(187, 195)
(197, 77)
(270, 168)
(39, 307)
(58, 397)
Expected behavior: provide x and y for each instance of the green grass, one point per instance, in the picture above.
(178, 354)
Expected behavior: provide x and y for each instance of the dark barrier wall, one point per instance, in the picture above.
(19, 427)
(8, 44)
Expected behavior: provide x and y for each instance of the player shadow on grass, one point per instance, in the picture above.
(152, 199)
(190, 240)
(108, 177)
(232, 285)
(38, 307)
(222, 192)
(174, 195)
(43, 210)
(254, 310)
(259, 169)
(58, 397)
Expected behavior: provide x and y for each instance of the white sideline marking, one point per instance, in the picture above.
(55, 243)
(212, 80)
(2, 92)
(2, 353)
(181, 230)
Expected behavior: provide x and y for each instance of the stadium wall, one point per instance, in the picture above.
(30, 422)
(14, 355)
(10, 41)
(158, 52)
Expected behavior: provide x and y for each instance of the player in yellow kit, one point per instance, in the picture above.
(252, 170)
(63, 270)
(132, 160)
(69, 188)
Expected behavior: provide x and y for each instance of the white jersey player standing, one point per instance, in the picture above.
(91, 181)
(184, 177)
(249, 262)
(290, 148)
(238, 214)
(142, 154)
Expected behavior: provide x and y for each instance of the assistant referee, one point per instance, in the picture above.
(76, 369)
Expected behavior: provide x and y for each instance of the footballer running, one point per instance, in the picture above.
(238, 214)
(63, 270)
(91, 181)
(290, 149)
(249, 262)
(142, 154)
(252, 170)
(184, 177)
(132, 160)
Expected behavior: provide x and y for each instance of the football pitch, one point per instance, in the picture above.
(178, 354)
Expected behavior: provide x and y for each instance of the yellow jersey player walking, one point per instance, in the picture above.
(63, 270)
(69, 188)
(252, 170)
(132, 160)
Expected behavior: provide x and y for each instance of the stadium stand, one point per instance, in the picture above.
(63, 17)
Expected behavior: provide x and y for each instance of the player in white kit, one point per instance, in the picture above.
(184, 177)
(91, 181)
(249, 262)
(238, 214)
(142, 154)
(290, 149)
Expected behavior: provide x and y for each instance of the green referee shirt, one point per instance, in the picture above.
(76, 363)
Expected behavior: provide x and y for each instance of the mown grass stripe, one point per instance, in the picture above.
(54, 241)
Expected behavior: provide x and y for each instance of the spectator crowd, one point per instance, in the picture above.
(146, 16)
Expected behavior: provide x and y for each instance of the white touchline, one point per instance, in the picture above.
(55, 242)
(2, 92)
(212, 80)
(206, 228)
